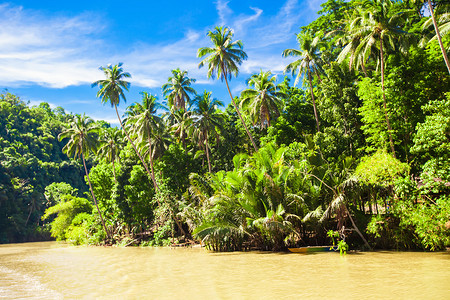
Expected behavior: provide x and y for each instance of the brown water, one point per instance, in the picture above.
(57, 271)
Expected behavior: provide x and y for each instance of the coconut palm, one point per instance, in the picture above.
(262, 100)
(161, 139)
(112, 90)
(178, 90)
(82, 136)
(110, 146)
(182, 120)
(352, 52)
(207, 120)
(223, 60)
(307, 64)
(377, 29)
(142, 122)
(444, 28)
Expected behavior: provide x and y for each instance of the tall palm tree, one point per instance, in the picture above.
(223, 60)
(112, 90)
(307, 64)
(378, 28)
(143, 121)
(110, 146)
(82, 136)
(178, 89)
(262, 100)
(437, 29)
(207, 120)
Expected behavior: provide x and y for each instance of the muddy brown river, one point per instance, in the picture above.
(52, 270)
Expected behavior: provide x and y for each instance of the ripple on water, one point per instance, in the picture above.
(16, 285)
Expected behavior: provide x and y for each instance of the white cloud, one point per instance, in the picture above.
(244, 21)
(223, 11)
(37, 102)
(107, 118)
(277, 29)
(150, 65)
(314, 5)
(56, 51)
(46, 51)
(238, 88)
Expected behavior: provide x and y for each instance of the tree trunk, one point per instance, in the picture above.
(31, 210)
(313, 101)
(114, 172)
(151, 162)
(183, 139)
(364, 69)
(438, 35)
(134, 147)
(93, 196)
(239, 114)
(207, 153)
(391, 142)
(356, 228)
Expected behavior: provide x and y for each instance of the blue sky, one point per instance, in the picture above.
(51, 50)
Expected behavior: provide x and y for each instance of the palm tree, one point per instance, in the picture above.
(378, 23)
(223, 60)
(182, 121)
(178, 89)
(437, 29)
(111, 90)
(262, 101)
(353, 52)
(161, 139)
(110, 146)
(142, 121)
(82, 139)
(207, 120)
(307, 64)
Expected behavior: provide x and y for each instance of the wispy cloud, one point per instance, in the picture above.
(37, 102)
(314, 5)
(243, 21)
(237, 89)
(223, 11)
(47, 51)
(60, 51)
(107, 118)
(151, 64)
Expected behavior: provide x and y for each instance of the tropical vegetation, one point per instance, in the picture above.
(355, 150)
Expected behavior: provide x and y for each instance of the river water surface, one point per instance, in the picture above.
(57, 271)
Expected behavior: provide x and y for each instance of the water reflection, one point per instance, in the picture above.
(53, 271)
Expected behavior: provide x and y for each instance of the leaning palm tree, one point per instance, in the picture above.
(82, 136)
(111, 90)
(178, 90)
(444, 28)
(262, 101)
(223, 60)
(378, 23)
(307, 64)
(207, 121)
(110, 146)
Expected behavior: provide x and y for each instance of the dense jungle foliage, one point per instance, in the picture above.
(360, 151)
